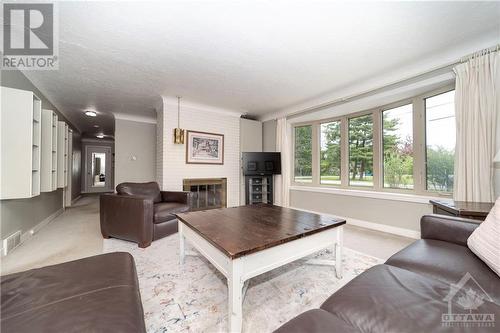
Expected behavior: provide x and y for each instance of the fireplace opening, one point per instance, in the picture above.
(206, 193)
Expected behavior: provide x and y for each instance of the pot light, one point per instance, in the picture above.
(91, 113)
(96, 126)
(100, 136)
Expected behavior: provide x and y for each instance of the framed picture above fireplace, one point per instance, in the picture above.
(204, 148)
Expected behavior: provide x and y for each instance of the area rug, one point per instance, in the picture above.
(193, 298)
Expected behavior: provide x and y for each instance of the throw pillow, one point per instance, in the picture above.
(485, 240)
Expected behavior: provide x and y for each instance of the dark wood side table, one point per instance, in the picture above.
(472, 210)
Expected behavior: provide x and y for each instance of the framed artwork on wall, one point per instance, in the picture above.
(204, 148)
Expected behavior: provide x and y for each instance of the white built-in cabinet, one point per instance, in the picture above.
(48, 174)
(62, 154)
(20, 122)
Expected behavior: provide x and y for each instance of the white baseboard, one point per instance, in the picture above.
(385, 228)
(372, 225)
(28, 234)
(75, 200)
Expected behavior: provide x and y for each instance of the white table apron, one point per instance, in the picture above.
(239, 270)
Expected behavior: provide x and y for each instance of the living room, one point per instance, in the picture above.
(250, 166)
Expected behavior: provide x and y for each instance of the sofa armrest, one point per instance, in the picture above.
(127, 216)
(447, 228)
(183, 197)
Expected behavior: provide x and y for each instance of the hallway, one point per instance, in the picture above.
(72, 235)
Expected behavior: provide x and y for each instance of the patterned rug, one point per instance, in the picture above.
(194, 298)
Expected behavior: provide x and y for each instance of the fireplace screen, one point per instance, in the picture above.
(206, 193)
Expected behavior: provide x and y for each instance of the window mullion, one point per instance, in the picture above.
(419, 145)
(315, 154)
(377, 151)
(344, 153)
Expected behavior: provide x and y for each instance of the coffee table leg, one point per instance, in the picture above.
(235, 300)
(182, 241)
(338, 251)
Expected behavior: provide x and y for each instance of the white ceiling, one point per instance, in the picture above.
(256, 57)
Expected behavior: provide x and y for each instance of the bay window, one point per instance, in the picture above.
(405, 147)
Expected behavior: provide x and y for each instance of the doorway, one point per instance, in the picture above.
(98, 170)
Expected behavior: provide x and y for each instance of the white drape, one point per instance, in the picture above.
(282, 182)
(476, 110)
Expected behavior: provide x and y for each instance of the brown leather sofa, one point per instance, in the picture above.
(95, 294)
(410, 292)
(141, 213)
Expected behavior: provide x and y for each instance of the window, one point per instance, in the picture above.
(378, 149)
(303, 154)
(397, 125)
(440, 141)
(330, 153)
(361, 151)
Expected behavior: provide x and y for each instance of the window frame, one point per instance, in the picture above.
(419, 147)
(440, 91)
(293, 154)
(326, 121)
(381, 129)
(375, 138)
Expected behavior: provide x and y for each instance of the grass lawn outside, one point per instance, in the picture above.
(367, 181)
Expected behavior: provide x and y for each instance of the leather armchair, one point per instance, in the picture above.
(141, 213)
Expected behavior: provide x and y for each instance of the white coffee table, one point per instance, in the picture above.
(243, 242)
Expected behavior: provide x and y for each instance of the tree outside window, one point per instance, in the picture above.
(440, 141)
(361, 151)
(330, 153)
(303, 154)
(398, 147)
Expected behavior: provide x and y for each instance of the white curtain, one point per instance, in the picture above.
(476, 109)
(282, 182)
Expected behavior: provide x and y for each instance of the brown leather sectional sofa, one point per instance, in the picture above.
(412, 291)
(95, 294)
(141, 213)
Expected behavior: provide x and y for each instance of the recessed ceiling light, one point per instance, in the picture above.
(96, 126)
(100, 136)
(91, 113)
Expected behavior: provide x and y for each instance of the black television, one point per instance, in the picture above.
(259, 164)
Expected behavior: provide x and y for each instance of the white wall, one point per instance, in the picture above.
(135, 151)
(173, 156)
(250, 141)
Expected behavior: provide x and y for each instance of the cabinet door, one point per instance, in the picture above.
(16, 143)
(61, 153)
(48, 167)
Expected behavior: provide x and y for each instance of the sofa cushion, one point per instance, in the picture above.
(166, 211)
(391, 299)
(485, 240)
(446, 262)
(95, 294)
(316, 321)
(147, 190)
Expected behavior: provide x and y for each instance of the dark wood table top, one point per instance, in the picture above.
(239, 231)
(464, 207)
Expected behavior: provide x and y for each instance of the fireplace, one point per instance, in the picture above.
(207, 193)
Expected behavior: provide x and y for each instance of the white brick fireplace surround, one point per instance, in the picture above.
(171, 158)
